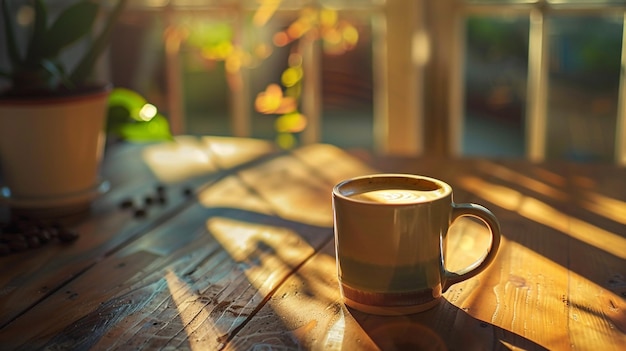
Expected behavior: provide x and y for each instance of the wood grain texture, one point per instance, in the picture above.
(247, 261)
(557, 280)
(28, 277)
(194, 279)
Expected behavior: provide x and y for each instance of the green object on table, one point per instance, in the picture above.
(131, 117)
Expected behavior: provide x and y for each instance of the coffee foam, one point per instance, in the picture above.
(397, 196)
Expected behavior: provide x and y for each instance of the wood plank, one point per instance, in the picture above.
(251, 264)
(553, 207)
(502, 296)
(597, 306)
(30, 276)
(306, 312)
(494, 308)
(196, 278)
(590, 210)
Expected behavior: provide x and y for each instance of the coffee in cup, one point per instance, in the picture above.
(390, 239)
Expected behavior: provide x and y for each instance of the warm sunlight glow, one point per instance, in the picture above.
(173, 37)
(230, 193)
(228, 152)
(268, 252)
(266, 10)
(272, 101)
(335, 334)
(181, 159)
(290, 123)
(328, 17)
(606, 206)
(286, 140)
(467, 241)
(541, 212)
(514, 177)
(514, 291)
(350, 34)
(190, 307)
(292, 192)
(323, 158)
(25, 15)
(502, 196)
(281, 39)
(147, 112)
(549, 176)
(420, 48)
(291, 76)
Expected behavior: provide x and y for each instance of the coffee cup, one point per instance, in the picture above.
(390, 241)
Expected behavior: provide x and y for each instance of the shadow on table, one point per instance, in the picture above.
(444, 327)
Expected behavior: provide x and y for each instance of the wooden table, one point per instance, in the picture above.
(240, 256)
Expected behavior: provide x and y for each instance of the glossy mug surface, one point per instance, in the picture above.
(390, 233)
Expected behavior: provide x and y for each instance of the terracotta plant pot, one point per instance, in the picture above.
(51, 150)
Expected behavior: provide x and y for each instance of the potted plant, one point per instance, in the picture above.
(52, 114)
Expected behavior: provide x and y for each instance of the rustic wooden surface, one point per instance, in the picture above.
(246, 261)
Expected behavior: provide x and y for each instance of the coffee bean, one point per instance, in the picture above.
(68, 235)
(140, 213)
(161, 199)
(148, 200)
(187, 191)
(21, 233)
(45, 235)
(160, 188)
(127, 203)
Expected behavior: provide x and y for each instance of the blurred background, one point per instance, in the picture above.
(538, 79)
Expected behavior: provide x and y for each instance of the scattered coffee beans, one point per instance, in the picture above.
(68, 235)
(159, 197)
(21, 234)
(160, 188)
(140, 213)
(127, 203)
(148, 200)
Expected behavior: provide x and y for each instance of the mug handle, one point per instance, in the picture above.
(490, 220)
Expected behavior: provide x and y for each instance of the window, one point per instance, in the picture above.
(527, 78)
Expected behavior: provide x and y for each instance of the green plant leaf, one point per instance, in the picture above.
(123, 118)
(85, 66)
(126, 98)
(156, 129)
(39, 31)
(56, 75)
(71, 25)
(14, 54)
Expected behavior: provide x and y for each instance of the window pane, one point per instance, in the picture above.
(496, 66)
(205, 90)
(586, 2)
(347, 90)
(504, 2)
(584, 80)
(268, 72)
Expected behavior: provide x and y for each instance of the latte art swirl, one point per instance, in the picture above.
(397, 196)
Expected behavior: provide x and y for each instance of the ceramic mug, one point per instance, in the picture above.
(390, 238)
